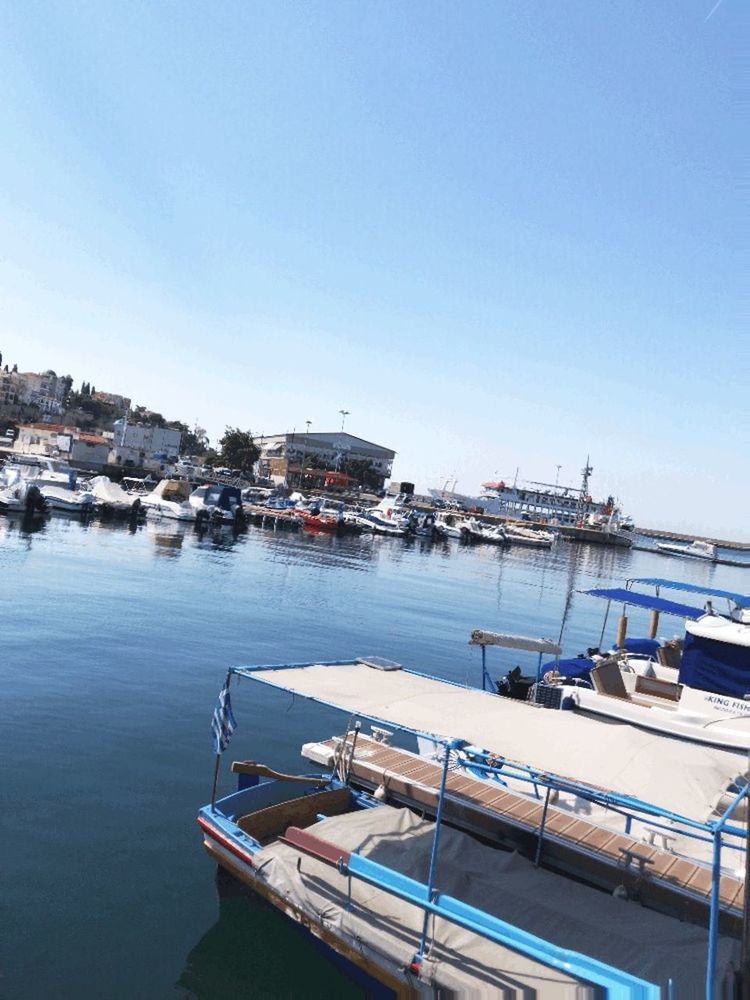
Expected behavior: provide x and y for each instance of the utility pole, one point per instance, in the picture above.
(344, 415)
(304, 453)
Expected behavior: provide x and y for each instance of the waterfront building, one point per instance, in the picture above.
(144, 446)
(82, 448)
(49, 440)
(61, 441)
(313, 458)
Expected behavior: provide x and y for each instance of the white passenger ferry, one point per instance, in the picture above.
(535, 501)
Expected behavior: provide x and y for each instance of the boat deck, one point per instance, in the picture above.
(659, 877)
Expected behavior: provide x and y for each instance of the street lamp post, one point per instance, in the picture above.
(304, 453)
(344, 415)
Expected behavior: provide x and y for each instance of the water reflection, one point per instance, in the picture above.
(247, 952)
(167, 536)
(23, 525)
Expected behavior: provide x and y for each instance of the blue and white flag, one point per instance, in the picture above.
(223, 724)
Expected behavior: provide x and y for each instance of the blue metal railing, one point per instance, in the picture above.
(619, 985)
(630, 807)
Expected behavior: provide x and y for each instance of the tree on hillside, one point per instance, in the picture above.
(238, 450)
(193, 442)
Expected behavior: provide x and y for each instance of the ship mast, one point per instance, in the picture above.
(586, 475)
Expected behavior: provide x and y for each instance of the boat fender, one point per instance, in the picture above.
(569, 703)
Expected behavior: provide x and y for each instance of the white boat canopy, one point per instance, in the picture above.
(481, 637)
(683, 777)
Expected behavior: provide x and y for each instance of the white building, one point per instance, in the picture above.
(288, 458)
(44, 390)
(59, 441)
(144, 446)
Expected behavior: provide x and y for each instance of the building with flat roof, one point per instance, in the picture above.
(144, 446)
(306, 459)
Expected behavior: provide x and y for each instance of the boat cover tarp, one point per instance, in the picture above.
(683, 777)
(720, 667)
(648, 601)
(108, 492)
(618, 932)
(641, 647)
(571, 666)
(693, 588)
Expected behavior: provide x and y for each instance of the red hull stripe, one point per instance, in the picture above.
(224, 841)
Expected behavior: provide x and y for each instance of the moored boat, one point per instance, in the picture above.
(698, 549)
(561, 811)
(170, 499)
(695, 689)
(518, 534)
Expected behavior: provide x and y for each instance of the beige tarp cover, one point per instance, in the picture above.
(615, 931)
(685, 778)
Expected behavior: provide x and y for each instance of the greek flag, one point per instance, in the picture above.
(223, 724)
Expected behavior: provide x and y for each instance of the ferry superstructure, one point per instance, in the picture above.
(567, 505)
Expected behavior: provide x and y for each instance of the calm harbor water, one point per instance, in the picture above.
(115, 644)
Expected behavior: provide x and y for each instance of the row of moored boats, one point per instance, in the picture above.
(499, 847)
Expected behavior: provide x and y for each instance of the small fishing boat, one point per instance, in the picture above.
(698, 549)
(421, 908)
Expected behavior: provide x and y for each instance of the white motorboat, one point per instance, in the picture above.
(474, 530)
(702, 695)
(698, 549)
(518, 534)
(388, 518)
(448, 525)
(38, 470)
(170, 499)
(18, 496)
(214, 502)
(67, 501)
(112, 498)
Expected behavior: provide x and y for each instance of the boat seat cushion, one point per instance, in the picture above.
(607, 679)
(657, 688)
(669, 655)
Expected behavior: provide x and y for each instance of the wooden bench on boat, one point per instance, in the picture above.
(659, 878)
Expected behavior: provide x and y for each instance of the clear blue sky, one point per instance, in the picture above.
(500, 234)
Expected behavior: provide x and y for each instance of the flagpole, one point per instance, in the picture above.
(219, 744)
(216, 780)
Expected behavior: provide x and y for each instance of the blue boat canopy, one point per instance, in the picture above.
(648, 601)
(693, 588)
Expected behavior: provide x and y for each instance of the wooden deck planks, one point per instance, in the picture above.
(660, 865)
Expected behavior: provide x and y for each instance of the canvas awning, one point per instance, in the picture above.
(693, 588)
(648, 601)
(481, 637)
(683, 777)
